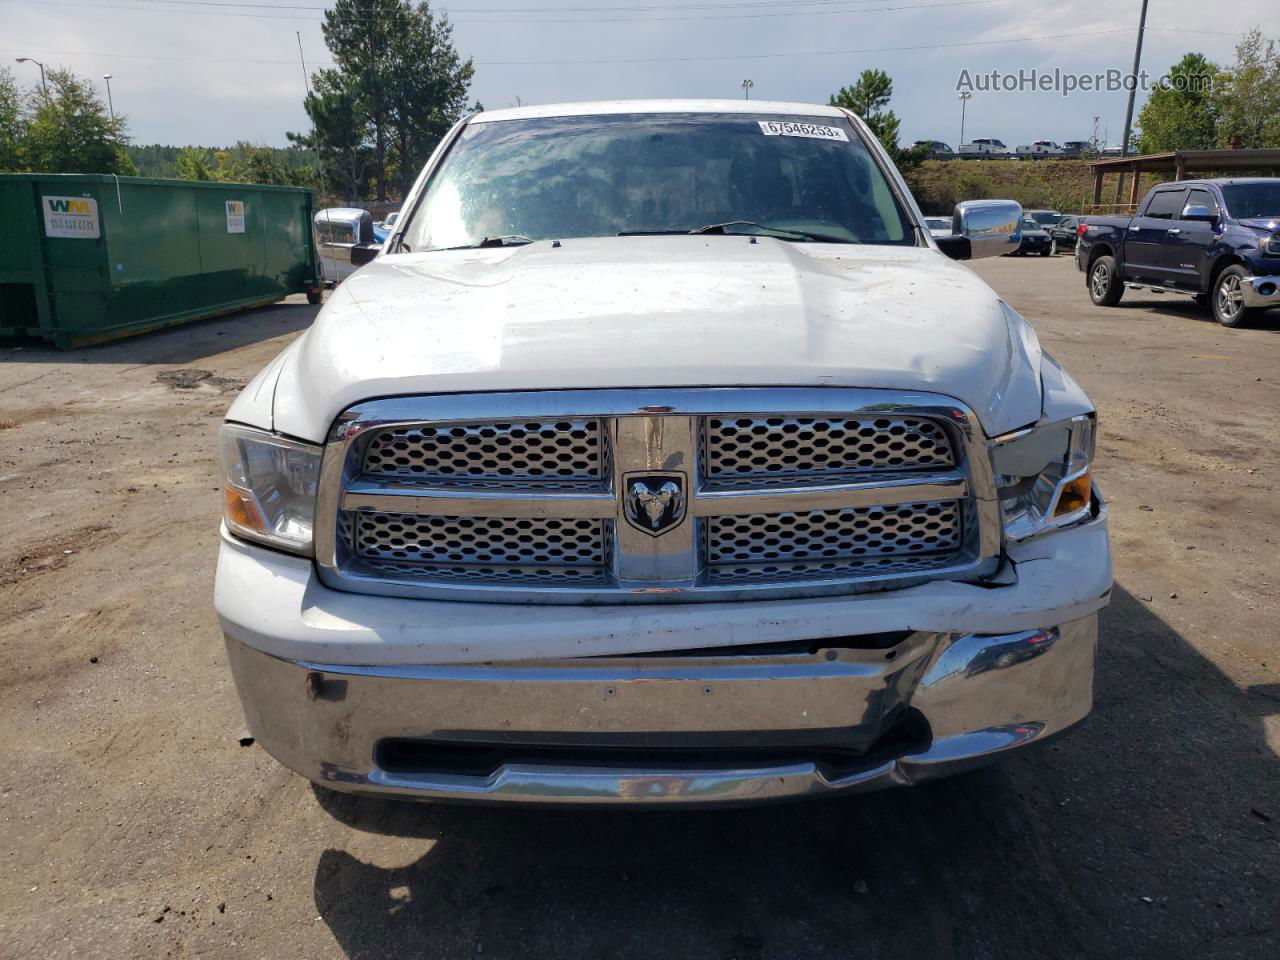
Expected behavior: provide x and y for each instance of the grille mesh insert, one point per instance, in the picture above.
(833, 535)
(528, 450)
(746, 447)
(822, 570)
(483, 541)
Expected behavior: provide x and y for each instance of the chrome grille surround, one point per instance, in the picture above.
(918, 505)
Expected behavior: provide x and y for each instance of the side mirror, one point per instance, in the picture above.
(363, 253)
(1198, 211)
(983, 228)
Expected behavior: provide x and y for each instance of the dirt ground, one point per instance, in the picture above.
(134, 823)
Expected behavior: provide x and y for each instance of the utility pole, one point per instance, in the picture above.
(110, 106)
(746, 88)
(964, 102)
(1133, 91)
(43, 86)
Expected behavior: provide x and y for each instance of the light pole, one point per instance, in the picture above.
(110, 105)
(43, 86)
(964, 102)
(746, 88)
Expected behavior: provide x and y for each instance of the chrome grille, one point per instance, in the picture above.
(753, 447)
(478, 540)
(833, 535)
(526, 497)
(528, 450)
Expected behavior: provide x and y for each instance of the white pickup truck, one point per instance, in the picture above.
(662, 456)
(1041, 148)
(984, 147)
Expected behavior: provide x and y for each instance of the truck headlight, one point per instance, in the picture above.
(1042, 476)
(1270, 245)
(269, 487)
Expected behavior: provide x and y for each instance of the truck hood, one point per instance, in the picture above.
(662, 312)
(1262, 223)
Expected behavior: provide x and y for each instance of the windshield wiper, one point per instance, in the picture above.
(789, 233)
(506, 240)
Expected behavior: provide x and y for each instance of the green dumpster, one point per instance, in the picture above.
(86, 258)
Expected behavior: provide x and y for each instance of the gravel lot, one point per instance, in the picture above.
(136, 825)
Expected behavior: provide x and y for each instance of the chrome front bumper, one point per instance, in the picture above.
(1261, 291)
(713, 727)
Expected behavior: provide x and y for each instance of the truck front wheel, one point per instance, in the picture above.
(1227, 300)
(1105, 288)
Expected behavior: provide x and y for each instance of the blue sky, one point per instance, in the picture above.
(192, 71)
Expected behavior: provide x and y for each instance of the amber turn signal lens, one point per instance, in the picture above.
(241, 511)
(1075, 495)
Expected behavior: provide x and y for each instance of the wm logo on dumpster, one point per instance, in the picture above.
(73, 217)
(69, 205)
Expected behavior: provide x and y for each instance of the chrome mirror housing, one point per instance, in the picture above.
(1198, 211)
(988, 228)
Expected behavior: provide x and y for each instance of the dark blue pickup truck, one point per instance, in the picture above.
(1218, 240)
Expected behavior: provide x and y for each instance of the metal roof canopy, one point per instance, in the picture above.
(1180, 163)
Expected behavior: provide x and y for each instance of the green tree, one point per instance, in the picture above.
(398, 84)
(428, 90)
(13, 124)
(69, 131)
(339, 134)
(193, 164)
(1247, 97)
(246, 163)
(1180, 113)
(869, 99)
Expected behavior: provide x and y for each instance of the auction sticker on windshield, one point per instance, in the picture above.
(789, 128)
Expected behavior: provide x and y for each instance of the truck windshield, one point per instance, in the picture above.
(1252, 201)
(604, 176)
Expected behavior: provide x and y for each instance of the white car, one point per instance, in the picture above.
(984, 147)
(662, 456)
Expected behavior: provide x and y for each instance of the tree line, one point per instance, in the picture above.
(398, 84)
(60, 125)
(1203, 106)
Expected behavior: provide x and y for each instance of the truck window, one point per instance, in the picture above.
(602, 176)
(1203, 198)
(1260, 199)
(1166, 205)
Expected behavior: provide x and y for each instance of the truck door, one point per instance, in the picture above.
(1186, 250)
(1144, 242)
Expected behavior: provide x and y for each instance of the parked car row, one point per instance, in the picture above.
(1039, 150)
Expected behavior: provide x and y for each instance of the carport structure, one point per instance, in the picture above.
(1179, 163)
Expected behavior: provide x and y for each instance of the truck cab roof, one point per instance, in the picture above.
(592, 108)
